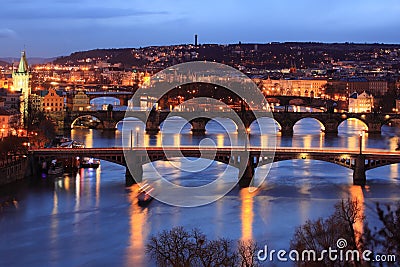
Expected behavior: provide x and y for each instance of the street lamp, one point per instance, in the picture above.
(137, 136)
(247, 137)
(131, 139)
(360, 140)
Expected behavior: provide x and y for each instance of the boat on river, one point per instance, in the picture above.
(89, 163)
(56, 168)
(65, 142)
(144, 197)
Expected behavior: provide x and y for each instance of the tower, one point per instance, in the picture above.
(195, 40)
(21, 83)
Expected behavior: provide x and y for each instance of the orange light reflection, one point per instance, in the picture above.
(247, 213)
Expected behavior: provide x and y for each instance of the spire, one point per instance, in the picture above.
(23, 63)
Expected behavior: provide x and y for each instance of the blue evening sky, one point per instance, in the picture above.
(50, 28)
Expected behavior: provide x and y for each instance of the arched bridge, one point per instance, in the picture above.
(122, 96)
(286, 120)
(246, 159)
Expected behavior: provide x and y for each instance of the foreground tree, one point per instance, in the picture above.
(388, 236)
(323, 234)
(247, 251)
(181, 248)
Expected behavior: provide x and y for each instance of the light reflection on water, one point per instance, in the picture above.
(92, 219)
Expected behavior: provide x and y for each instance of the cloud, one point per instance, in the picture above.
(7, 33)
(83, 12)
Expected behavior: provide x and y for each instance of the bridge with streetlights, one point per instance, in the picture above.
(246, 159)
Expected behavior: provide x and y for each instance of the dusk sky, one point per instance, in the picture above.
(49, 28)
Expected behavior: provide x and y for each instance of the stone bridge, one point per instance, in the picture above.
(243, 158)
(122, 96)
(243, 119)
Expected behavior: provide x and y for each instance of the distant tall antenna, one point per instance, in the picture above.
(195, 40)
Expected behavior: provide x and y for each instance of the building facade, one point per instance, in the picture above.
(54, 106)
(36, 102)
(347, 86)
(11, 98)
(9, 120)
(360, 103)
(303, 87)
(53, 101)
(80, 102)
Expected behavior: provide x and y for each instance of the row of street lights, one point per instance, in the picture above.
(361, 135)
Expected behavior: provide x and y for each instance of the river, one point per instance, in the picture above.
(91, 219)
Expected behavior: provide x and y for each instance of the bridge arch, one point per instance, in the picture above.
(206, 175)
(132, 122)
(352, 126)
(175, 125)
(266, 125)
(317, 125)
(388, 170)
(105, 100)
(221, 125)
(221, 159)
(92, 120)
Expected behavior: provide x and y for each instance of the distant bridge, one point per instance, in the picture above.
(245, 159)
(125, 96)
(286, 120)
(122, 96)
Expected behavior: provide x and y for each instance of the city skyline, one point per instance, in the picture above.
(54, 28)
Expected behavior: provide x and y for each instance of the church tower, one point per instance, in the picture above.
(21, 83)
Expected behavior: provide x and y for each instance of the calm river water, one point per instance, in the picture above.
(91, 219)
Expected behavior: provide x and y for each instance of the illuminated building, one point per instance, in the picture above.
(35, 102)
(80, 102)
(304, 87)
(53, 105)
(12, 99)
(8, 121)
(359, 103)
(53, 101)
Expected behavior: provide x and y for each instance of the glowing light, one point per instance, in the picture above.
(247, 214)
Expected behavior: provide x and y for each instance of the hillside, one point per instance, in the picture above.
(3, 63)
(113, 56)
(272, 55)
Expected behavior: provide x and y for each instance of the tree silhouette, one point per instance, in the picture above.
(388, 236)
(323, 234)
(181, 248)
